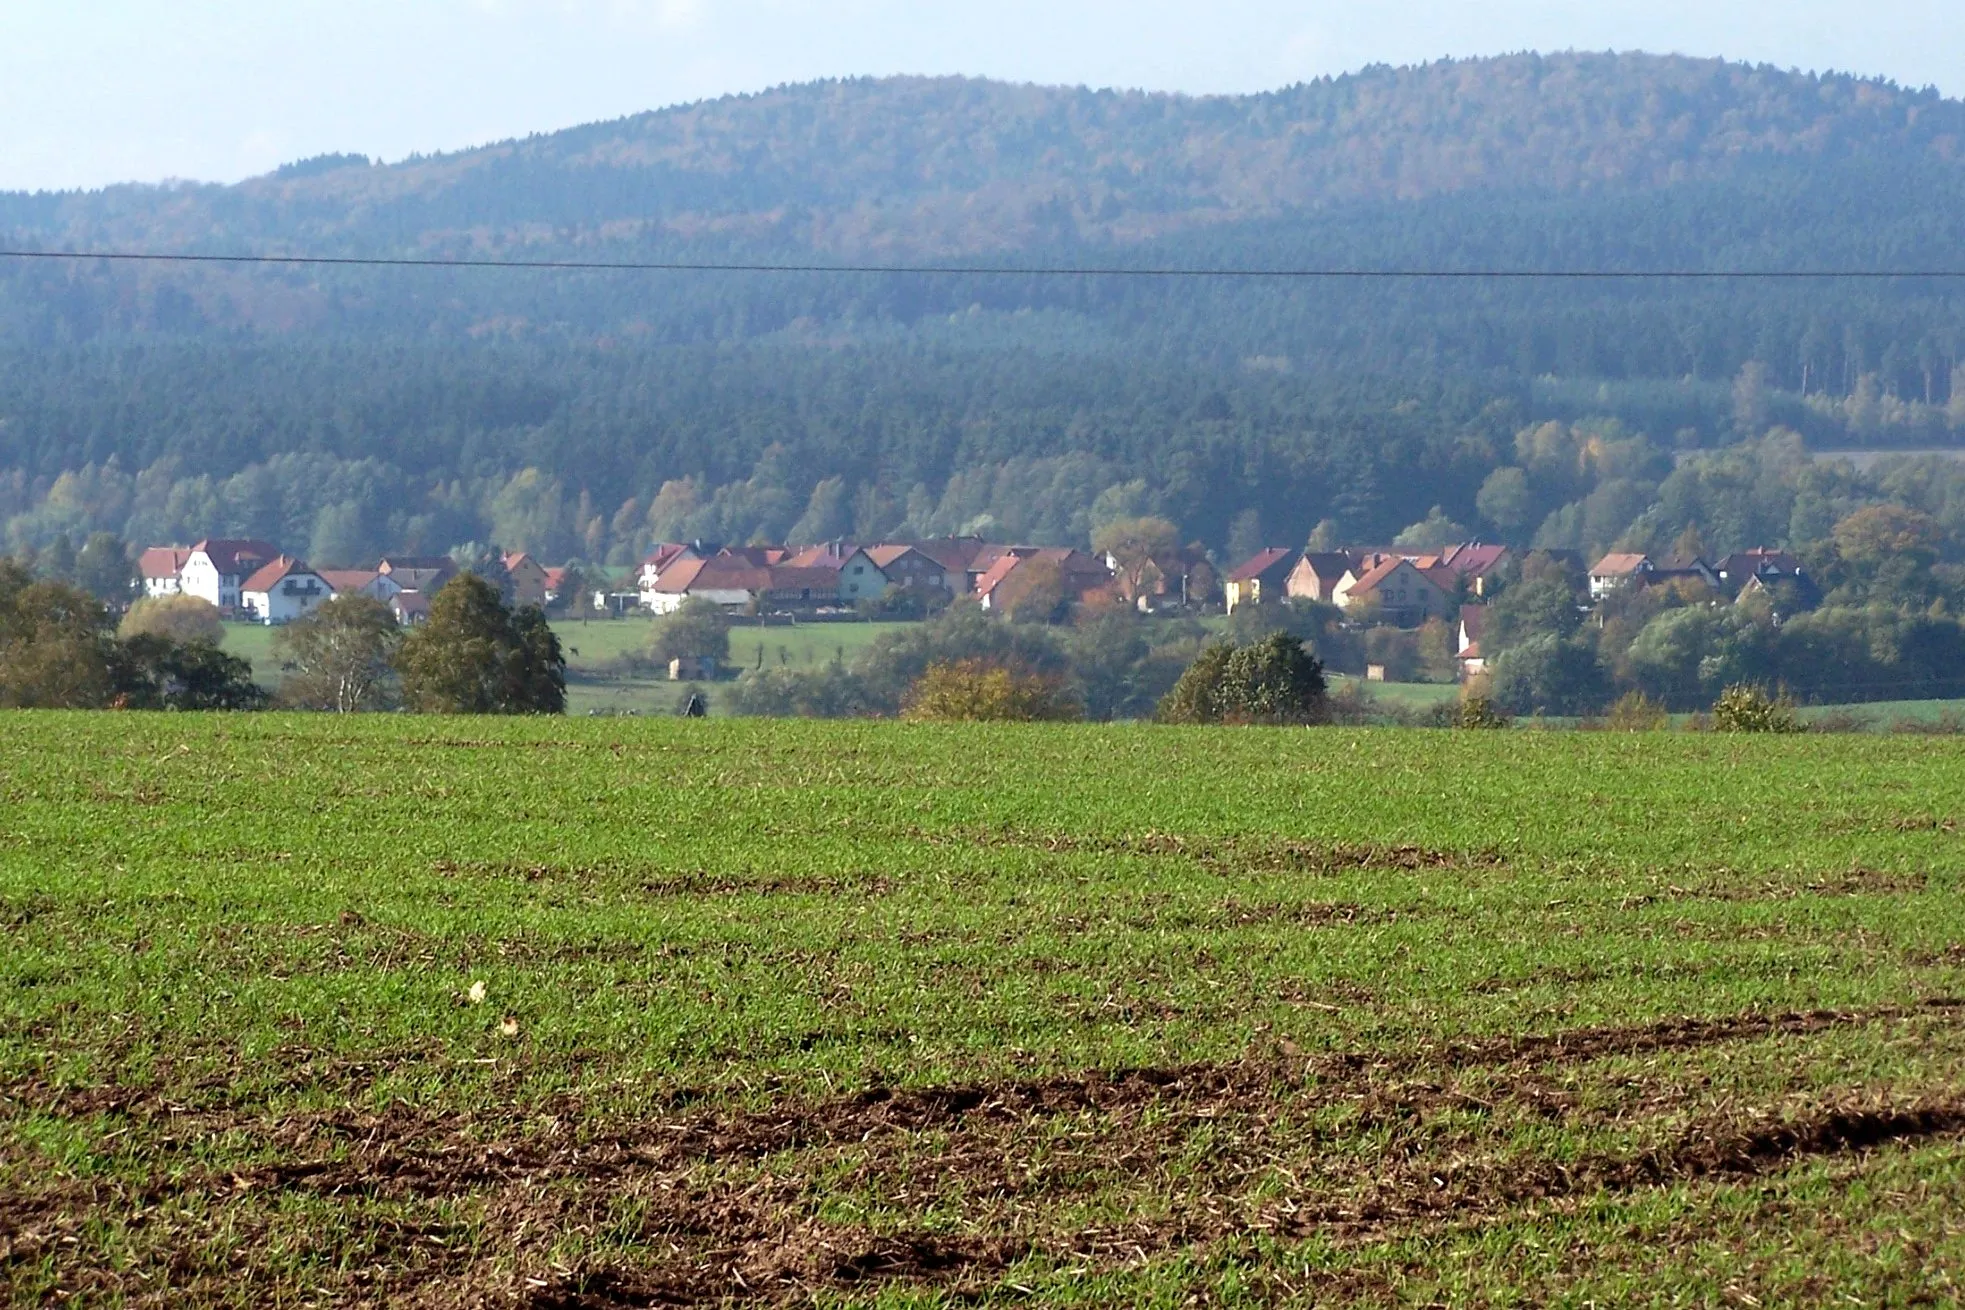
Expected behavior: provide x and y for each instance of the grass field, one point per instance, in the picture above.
(607, 1013)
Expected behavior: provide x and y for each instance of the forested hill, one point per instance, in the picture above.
(946, 166)
(365, 408)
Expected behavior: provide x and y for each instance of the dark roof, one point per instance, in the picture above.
(1263, 563)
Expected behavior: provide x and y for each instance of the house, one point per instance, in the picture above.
(411, 608)
(1264, 576)
(1404, 595)
(527, 580)
(1467, 646)
(906, 567)
(1618, 570)
(216, 569)
(1682, 568)
(955, 555)
(1012, 576)
(1733, 573)
(161, 568)
(360, 582)
(870, 572)
(424, 573)
(1476, 562)
(1316, 576)
(282, 591)
(725, 580)
(657, 562)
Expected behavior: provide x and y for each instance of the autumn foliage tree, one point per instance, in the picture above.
(977, 691)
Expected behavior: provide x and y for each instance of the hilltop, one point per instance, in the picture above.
(937, 166)
(1365, 403)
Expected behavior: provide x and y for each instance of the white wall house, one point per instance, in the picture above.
(161, 568)
(283, 591)
(216, 569)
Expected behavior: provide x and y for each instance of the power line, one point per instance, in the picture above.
(988, 270)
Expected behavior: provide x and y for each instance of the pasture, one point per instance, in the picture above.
(608, 1013)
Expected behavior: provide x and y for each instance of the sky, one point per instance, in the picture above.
(101, 91)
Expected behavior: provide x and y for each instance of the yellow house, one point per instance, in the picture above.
(1263, 577)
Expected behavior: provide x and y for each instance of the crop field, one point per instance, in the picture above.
(304, 1010)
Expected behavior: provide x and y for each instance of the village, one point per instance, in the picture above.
(255, 582)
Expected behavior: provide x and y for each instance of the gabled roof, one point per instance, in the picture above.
(718, 573)
(163, 561)
(1262, 563)
(998, 571)
(269, 575)
(344, 580)
(665, 554)
(1473, 618)
(825, 555)
(233, 555)
(886, 556)
(1473, 558)
(1330, 566)
(953, 553)
(420, 563)
(518, 559)
(410, 604)
(1620, 565)
(1377, 573)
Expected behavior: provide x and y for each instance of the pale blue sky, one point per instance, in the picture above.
(94, 91)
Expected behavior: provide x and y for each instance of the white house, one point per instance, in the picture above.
(162, 568)
(660, 561)
(216, 569)
(729, 581)
(283, 591)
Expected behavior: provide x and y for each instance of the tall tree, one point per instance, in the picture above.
(343, 657)
(475, 656)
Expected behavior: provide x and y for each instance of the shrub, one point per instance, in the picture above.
(180, 618)
(1478, 712)
(1636, 712)
(1751, 709)
(1274, 680)
(975, 691)
(697, 629)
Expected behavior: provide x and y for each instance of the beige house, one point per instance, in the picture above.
(1403, 594)
(1317, 575)
(528, 577)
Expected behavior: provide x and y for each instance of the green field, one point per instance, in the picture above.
(595, 680)
(904, 1014)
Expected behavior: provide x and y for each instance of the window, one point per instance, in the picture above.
(858, 569)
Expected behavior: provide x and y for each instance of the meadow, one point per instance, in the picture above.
(298, 1009)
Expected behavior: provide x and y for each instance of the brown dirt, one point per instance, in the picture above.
(728, 1203)
(1226, 854)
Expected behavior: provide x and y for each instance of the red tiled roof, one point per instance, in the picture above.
(826, 555)
(163, 561)
(1619, 565)
(343, 580)
(1261, 563)
(270, 574)
(233, 555)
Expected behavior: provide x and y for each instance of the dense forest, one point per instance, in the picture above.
(582, 414)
